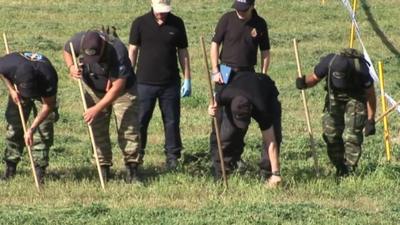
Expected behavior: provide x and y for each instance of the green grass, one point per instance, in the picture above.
(73, 195)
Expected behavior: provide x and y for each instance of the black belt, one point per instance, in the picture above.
(243, 69)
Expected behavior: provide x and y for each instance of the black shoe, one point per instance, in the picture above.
(40, 173)
(105, 172)
(132, 173)
(11, 169)
(172, 164)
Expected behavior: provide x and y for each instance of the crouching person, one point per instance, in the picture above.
(31, 81)
(248, 95)
(109, 85)
(350, 106)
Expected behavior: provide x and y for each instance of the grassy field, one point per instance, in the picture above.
(189, 196)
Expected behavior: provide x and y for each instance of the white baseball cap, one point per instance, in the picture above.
(161, 6)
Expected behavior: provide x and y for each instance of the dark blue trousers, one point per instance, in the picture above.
(168, 97)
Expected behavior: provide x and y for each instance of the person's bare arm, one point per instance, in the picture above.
(371, 102)
(265, 61)
(214, 55)
(184, 61)
(74, 72)
(133, 54)
(48, 105)
(117, 86)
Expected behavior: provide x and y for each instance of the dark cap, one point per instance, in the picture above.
(242, 5)
(92, 47)
(25, 79)
(241, 109)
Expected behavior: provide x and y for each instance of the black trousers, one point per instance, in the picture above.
(232, 141)
(168, 97)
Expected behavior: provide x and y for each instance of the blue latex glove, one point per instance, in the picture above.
(186, 89)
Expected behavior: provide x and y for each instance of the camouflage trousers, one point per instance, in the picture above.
(126, 110)
(343, 122)
(42, 138)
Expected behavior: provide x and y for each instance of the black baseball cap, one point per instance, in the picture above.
(242, 5)
(26, 81)
(241, 109)
(92, 47)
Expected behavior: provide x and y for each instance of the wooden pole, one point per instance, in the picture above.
(96, 157)
(215, 120)
(387, 112)
(386, 135)
(306, 111)
(23, 121)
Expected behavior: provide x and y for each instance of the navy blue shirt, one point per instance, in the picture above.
(321, 70)
(34, 65)
(259, 89)
(157, 60)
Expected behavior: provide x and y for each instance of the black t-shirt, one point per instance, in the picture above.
(241, 39)
(157, 60)
(259, 89)
(114, 64)
(44, 72)
(321, 70)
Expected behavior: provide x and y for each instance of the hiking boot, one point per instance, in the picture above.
(273, 182)
(105, 172)
(11, 169)
(40, 173)
(131, 173)
(172, 164)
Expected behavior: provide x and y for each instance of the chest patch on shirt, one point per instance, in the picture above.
(253, 33)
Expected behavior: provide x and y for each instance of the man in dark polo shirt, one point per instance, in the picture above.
(248, 95)
(109, 85)
(350, 106)
(157, 41)
(240, 33)
(238, 36)
(36, 82)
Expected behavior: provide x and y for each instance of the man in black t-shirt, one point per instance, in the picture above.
(240, 33)
(157, 41)
(350, 106)
(248, 95)
(35, 80)
(109, 85)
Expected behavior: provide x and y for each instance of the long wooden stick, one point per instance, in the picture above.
(307, 112)
(387, 112)
(23, 121)
(215, 120)
(96, 157)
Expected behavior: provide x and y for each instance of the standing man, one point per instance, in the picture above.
(157, 41)
(240, 32)
(249, 95)
(350, 106)
(35, 80)
(109, 85)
